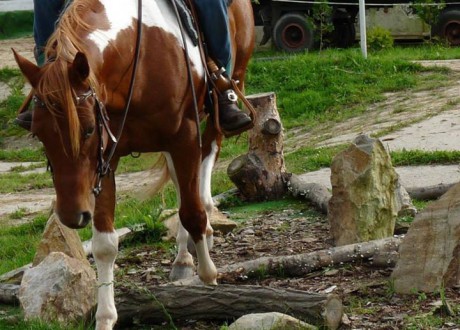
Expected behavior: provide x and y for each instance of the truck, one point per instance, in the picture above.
(291, 27)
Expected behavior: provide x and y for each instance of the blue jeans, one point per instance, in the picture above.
(213, 17)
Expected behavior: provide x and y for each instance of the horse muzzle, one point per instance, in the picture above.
(77, 221)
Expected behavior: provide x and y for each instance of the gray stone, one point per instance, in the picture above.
(269, 321)
(364, 203)
(60, 289)
(430, 252)
(59, 238)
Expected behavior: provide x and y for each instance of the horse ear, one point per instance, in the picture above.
(80, 68)
(28, 69)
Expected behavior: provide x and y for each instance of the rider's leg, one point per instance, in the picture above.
(213, 19)
(46, 14)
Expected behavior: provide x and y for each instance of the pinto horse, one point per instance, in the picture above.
(80, 96)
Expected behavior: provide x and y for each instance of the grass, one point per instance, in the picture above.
(16, 24)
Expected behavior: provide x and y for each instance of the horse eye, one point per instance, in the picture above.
(88, 132)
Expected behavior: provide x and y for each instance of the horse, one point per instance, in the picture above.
(83, 94)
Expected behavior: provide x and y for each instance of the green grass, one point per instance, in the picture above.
(334, 84)
(16, 182)
(16, 24)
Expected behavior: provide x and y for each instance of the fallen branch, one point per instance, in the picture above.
(430, 192)
(317, 194)
(301, 264)
(224, 302)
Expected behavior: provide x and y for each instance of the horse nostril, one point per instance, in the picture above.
(85, 218)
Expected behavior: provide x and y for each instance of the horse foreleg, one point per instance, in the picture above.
(183, 266)
(105, 249)
(211, 148)
(185, 174)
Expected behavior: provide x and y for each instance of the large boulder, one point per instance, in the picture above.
(60, 288)
(364, 203)
(430, 252)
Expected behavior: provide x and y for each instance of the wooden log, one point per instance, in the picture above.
(9, 294)
(316, 194)
(261, 173)
(224, 302)
(430, 192)
(301, 264)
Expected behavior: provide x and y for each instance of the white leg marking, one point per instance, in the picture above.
(206, 269)
(105, 249)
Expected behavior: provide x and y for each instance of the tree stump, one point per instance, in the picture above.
(261, 173)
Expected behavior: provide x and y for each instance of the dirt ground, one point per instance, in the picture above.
(366, 291)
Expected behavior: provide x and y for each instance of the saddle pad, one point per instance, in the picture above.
(187, 20)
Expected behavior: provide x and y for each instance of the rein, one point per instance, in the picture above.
(103, 166)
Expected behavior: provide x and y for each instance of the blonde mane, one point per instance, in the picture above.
(55, 87)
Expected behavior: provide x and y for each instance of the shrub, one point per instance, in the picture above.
(379, 38)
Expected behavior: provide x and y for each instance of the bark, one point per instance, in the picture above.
(9, 294)
(301, 264)
(430, 192)
(316, 194)
(224, 302)
(261, 173)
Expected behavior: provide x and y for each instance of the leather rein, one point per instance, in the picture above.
(102, 119)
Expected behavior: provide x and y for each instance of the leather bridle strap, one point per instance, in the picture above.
(189, 72)
(104, 165)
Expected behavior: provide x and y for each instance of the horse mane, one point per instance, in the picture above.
(55, 87)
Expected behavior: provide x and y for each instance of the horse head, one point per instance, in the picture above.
(65, 121)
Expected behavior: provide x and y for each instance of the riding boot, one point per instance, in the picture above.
(231, 119)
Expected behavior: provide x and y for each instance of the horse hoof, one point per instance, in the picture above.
(181, 272)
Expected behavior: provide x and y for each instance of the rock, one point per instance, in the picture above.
(59, 238)
(219, 221)
(430, 252)
(269, 321)
(60, 288)
(364, 203)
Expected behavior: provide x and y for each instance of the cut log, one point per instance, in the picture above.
(302, 264)
(261, 173)
(316, 194)
(9, 294)
(224, 302)
(430, 192)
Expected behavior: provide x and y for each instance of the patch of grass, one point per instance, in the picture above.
(16, 24)
(19, 243)
(137, 163)
(22, 155)
(304, 83)
(16, 182)
(422, 157)
(309, 159)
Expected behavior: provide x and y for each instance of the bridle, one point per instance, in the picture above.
(102, 119)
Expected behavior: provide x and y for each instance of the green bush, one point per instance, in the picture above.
(379, 38)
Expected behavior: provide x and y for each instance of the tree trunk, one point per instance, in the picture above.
(380, 251)
(224, 302)
(261, 173)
